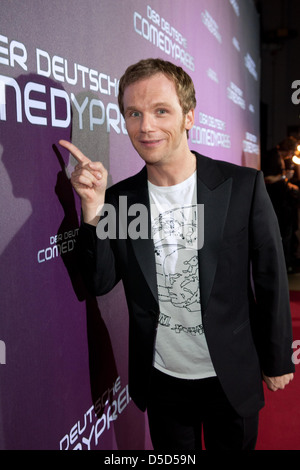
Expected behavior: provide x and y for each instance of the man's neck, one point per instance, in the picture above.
(174, 172)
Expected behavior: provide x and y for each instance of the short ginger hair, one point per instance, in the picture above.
(147, 68)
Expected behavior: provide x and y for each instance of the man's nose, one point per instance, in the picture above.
(146, 123)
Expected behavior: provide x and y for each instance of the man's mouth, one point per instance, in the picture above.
(150, 143)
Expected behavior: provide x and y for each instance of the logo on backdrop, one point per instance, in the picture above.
(236, 95)
(157, 30)
(59, 245)
(210, 132)
(211, 25)
(14, 55)
(86, 433)
(250, 144)
(251, 66)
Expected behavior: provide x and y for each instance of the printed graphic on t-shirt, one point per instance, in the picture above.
(175, 236)
(180, 349)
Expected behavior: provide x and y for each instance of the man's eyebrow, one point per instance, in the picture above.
(154, 105)
(130, 108)
(162, 105)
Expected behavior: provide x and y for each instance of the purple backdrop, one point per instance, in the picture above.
(63, 354)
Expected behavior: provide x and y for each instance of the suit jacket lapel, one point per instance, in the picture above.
(213, 191)
(144, 247)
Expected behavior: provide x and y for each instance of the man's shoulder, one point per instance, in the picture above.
(205, 165)
(130, 183)
(228, 169)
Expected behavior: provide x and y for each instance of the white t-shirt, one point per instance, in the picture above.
(181, 349)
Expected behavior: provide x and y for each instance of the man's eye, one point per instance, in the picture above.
(135, 114)
(161, 111)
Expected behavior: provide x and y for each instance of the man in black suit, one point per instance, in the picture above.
(205, 281)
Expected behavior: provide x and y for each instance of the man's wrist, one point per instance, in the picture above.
(91, 214)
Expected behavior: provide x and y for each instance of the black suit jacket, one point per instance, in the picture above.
(243, 284)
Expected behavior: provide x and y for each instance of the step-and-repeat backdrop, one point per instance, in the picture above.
(63, 353)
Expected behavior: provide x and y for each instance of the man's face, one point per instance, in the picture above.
(154, 119)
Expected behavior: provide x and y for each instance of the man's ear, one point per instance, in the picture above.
(189, 119)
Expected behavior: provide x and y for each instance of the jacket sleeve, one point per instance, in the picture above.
(96, 260)
(272, 326)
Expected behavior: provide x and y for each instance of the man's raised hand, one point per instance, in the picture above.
(89, 179)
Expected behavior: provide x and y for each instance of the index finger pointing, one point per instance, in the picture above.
(77, 154)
